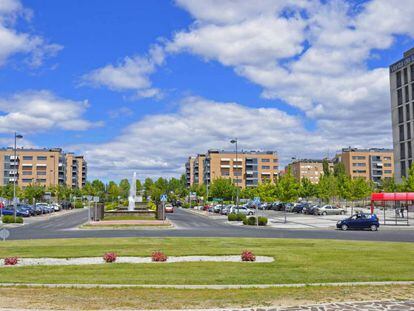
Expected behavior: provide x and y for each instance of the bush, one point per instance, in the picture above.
(111, 206)
(8, 219)
(78, 204)
(11, 261)
(251, 221)
(152, 206)
(186, 205)
(109, 257)
(232, 217)
(262, 221)
(248, 256)
(158, 256)
(240, 217)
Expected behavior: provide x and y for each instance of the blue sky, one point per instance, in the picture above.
(141, 85)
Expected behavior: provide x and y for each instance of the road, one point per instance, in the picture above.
(188, 224)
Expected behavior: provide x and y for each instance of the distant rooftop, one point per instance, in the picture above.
(350, 149)
(32, 149)
(241, 151)
(310, 161)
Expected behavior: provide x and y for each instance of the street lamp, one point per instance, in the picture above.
(234, 141)
(16, 136)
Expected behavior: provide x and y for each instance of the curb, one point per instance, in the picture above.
(212, 286)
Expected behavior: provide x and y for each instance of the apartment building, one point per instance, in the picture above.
(45, 167)
(371, 164)
(189, 171)
(198, 169)
(308, 168)
(402, 112)
(249, 168)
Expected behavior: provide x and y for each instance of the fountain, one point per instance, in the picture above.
(132, 193)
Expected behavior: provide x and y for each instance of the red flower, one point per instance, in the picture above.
(248, 256)
(109, 257)
(11, 261)
(159, 256)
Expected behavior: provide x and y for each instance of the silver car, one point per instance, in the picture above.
(242, 210)
(329, 210)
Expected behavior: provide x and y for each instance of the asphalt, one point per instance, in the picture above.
(187, 224)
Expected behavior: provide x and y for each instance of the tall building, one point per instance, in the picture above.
(45, 167)
(308, 168)
(189, 171)
(249, 168)
(371, 164)
(402, 112)
(198, 169)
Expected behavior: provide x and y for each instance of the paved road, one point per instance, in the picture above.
(188, 224)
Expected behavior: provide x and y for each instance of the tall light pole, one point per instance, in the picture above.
(16, 136)
(234, 141)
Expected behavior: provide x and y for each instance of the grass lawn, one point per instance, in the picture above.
(144, 299)
(296, 261)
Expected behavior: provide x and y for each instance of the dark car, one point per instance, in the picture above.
(359, 221)
(29, 208)
(299, 208)
(9, 210)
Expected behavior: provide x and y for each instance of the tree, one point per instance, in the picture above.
(139, 185)
(287, 188)
(327, 187)
(267, 191)
(408, 182)
(325, 166)
(124, 188)
(113, 191)
(339, 170)
(388, 185)
(222, 188)
(307, 188)
(98, 188)
(33, 192)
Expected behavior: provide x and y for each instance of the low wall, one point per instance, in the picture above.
(115, 213)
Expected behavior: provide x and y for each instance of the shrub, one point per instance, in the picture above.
(152, 206)
(262, 221)
(11, 261)
(248, 256)
(186, 205)
(8, 219)
(109, 257)
(240, 217)
(158, 256)
(232, 217)
(111, 206)
(78, 204)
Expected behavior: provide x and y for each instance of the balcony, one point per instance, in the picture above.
(224, 165)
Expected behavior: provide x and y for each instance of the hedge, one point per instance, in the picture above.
(8, 219)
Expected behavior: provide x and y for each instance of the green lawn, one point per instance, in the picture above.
(296, 261)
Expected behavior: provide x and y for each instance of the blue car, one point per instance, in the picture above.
(9, 210)
(359, 221)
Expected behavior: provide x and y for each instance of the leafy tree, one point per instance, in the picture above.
(222, 188)
(408, 182)
(339, 170)
(139, 185)
(98, 188)
(327, 187)
(113, 191)
(33, 192)
(267, 191)
(325, 166)
(124, 188)
(388, 185)
(307, 188)
(287, 188)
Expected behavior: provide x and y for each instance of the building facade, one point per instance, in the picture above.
(371, 164)
(249, 168)
(402, 112)
(45, 167)
(309, 169)
(189, 172)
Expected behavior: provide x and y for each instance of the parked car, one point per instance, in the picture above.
(217, 208)
(329, 210)
(28, 208)
(299, 208)
(226, 210)
(45, 208)
(66, 205)
(169, 208)
(242, 210)
(56, 207)
(359, 221)
(309, 209)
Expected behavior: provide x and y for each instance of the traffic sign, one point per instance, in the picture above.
(163, 198)
(256, 200)
(4, 234)
(96, 199)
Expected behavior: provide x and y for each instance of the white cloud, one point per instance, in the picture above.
(131, 74)
(14, 42)
(38, 111)
(158, 145)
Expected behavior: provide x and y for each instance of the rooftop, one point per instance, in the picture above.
(350, 149)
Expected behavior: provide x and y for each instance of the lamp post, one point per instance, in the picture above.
(234, 141)
(16, 136)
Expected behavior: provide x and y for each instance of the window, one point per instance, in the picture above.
(405, 75)
(265, 160)
(265, 167)
(41, 158)
(400, 115)
(358, 157)
(387, 158)
(27, 180)
(275, 160)
(407, 97)
(275, 167)
(27, 172)
(359, 164)
(387, 164)
(28, 158)
(403, 173)
(402, 151)
(407, 112)
(408, 130)
(387, 172)
(409, 153)
(41, 173)
(412, 90)
(401, 132)
(399, 97)
(41, 180)
(412, 72)
(398, 76)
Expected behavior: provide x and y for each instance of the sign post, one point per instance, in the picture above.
(163, 200)
(4, 234)
(257, 203)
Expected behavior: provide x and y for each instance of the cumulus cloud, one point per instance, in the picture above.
(14, 42)
(159, 145)
(130, 74)
(38, 111)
